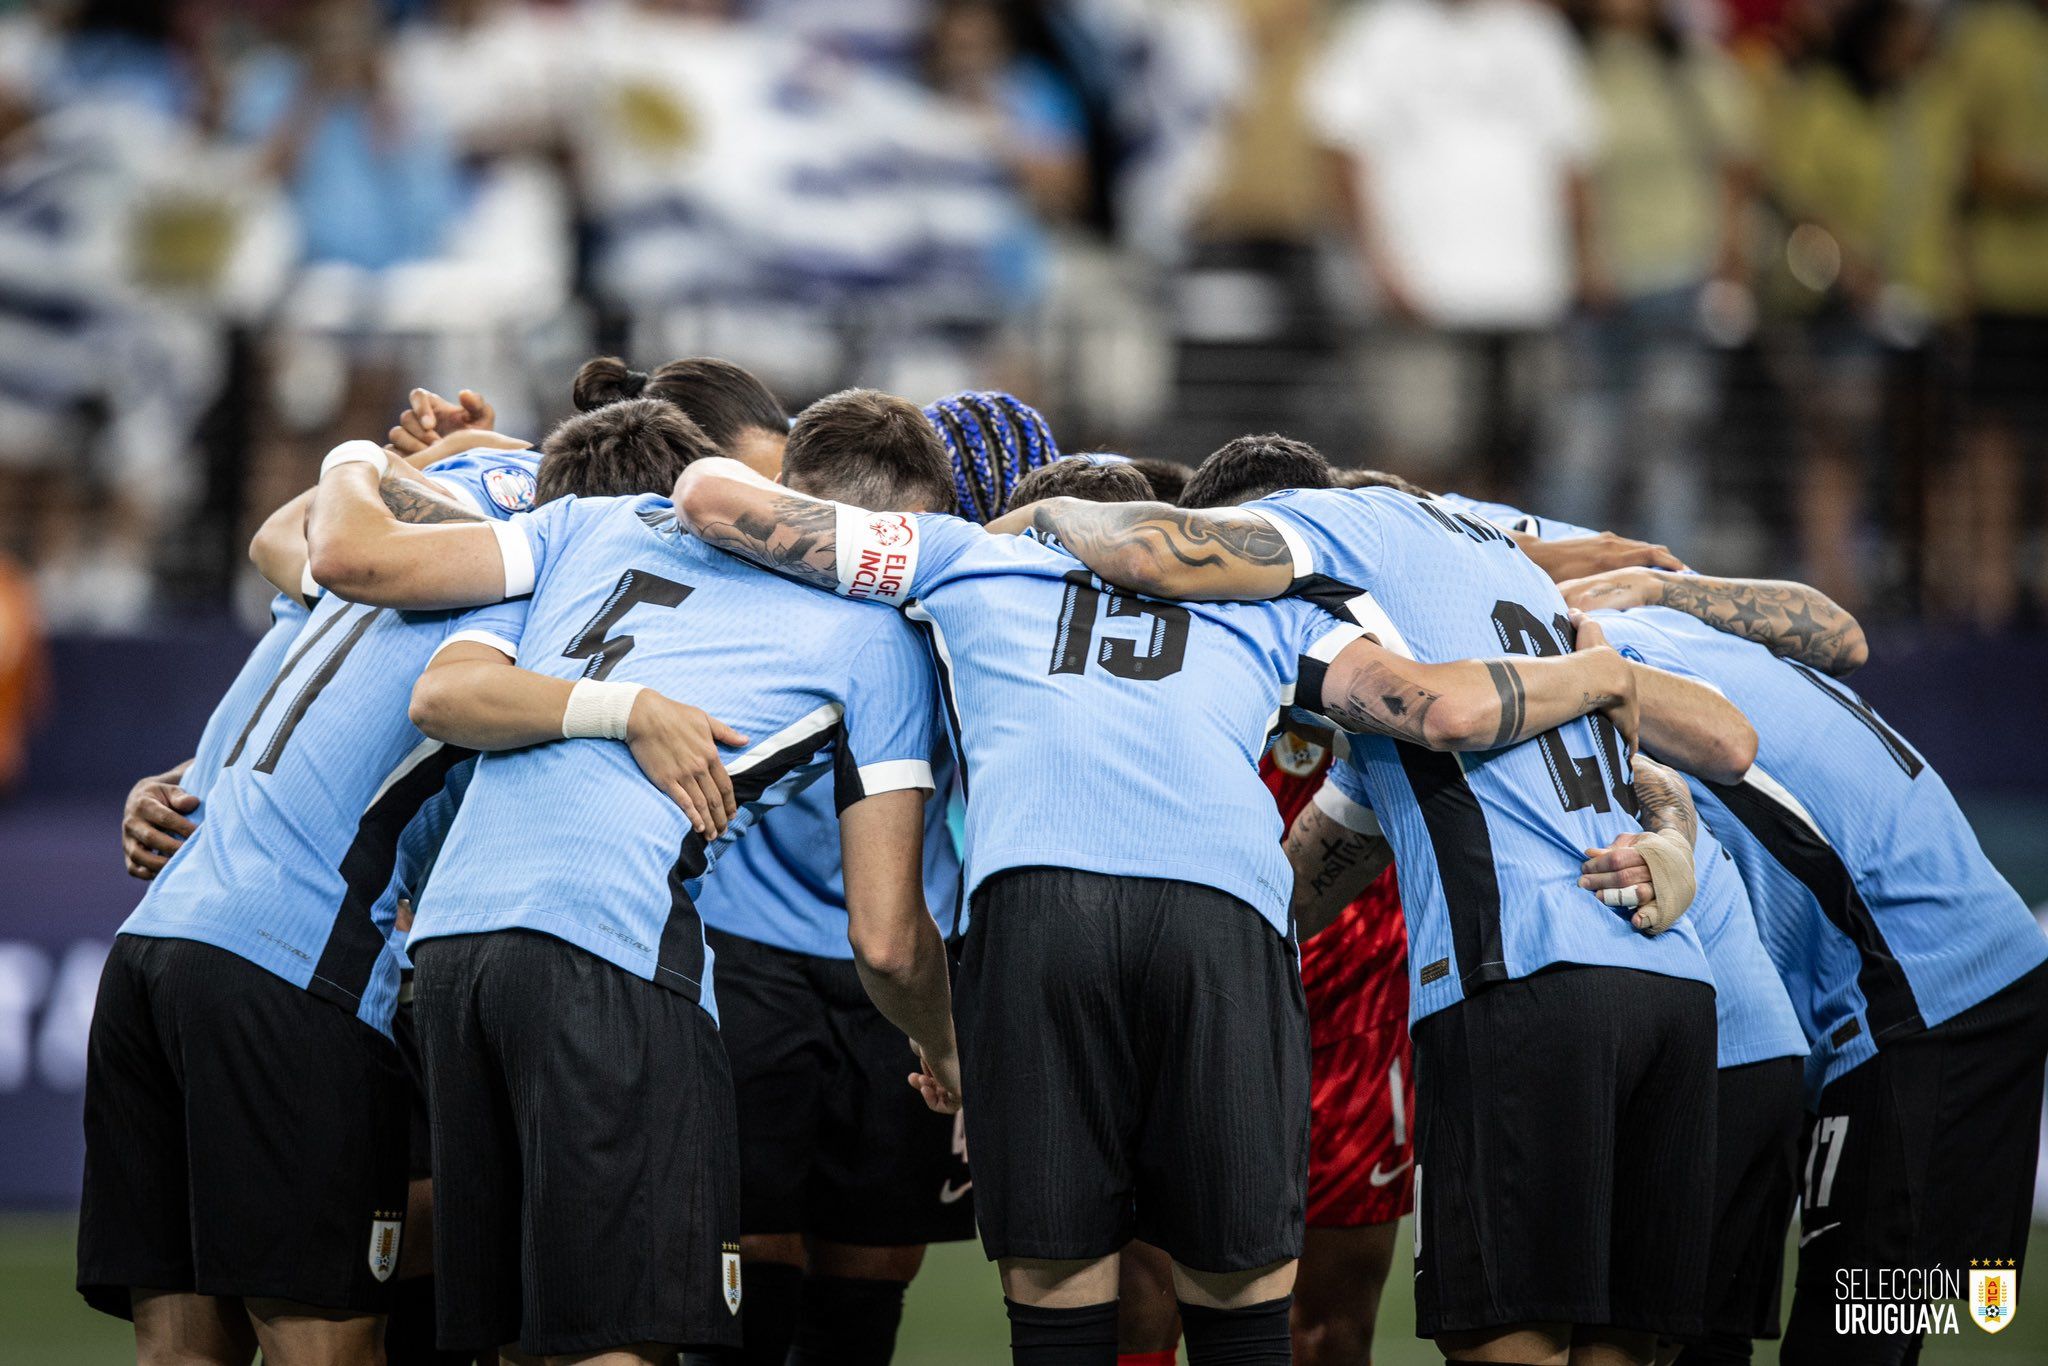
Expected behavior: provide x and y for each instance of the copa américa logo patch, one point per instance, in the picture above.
(511, 487)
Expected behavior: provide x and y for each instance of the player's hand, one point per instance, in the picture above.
(429, 417)
(938, 1080)
(1580, 557)
(1620, 876)
(676, 746)
(153, 824)
(468, 439)
(1625, 711)
(1614, 589)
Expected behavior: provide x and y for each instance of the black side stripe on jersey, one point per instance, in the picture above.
(291, 662)
(313, 687)
(1889, 1003)
(1464, 861)
(679, 964)
(914, 613)
(355, 943)
(1902, 753)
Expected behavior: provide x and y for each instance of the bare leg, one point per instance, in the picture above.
(304, 1335)
(1337, 1293)
(1148, 1319)
(174, 1328)
(1533, 1344)
(1059, 1285)
(1601, 1346)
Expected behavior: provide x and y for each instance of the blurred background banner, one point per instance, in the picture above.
(1766, 280)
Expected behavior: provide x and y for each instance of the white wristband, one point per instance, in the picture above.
(349, 452)
(598, 711)
(309, 587)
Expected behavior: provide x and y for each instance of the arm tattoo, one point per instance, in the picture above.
(1199, 540)
(797, 537)
(411, 501)
(1514, 702)
(1666, 803)
(1382, 702)
(1789, 619)
(1338, 855)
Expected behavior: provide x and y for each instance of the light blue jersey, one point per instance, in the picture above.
(1099, 730)
(287, 615)
(1514, 519)
(1489, 845)
(292, 864)
(1874, 898)
(570, 839)
(783, 884)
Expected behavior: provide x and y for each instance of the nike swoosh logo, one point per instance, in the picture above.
(1380, 1178)
(950, 1195)
(1806, 1238)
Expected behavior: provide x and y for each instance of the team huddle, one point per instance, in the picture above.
(639, 895)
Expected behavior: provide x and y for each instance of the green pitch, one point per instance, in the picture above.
(955, 1314)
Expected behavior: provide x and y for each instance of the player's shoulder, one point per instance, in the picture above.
(496, 483)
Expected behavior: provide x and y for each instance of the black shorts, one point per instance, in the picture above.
(833, 1142)
(1758, 1118)
(1564, 1141)
(1923, 1157)
(419, 1146)
(1135, 1058)
(242, 1138)
(586, 1174)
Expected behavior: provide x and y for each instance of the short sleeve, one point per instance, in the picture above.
(499, 485)
(1323, 527)
(1344, 799)
(889, 730)
(892, 557)
(499, 626)
(526, 539)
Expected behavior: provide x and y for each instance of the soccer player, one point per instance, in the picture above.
(1564, 1187)
(1074, 476)
(245, 1179)
(996, 440)
(1121, 896)
(1915, 969)
(632, 1203)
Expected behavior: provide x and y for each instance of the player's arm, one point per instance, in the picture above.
(1575, 557)
(1211, 554)
(1650, 875)
(722, 502)
(1474, 703)
(406, 551)
(471, 694)
(1336, 850)
(1791, 620)
(1684, 722)
(896, 944)
(153, 821)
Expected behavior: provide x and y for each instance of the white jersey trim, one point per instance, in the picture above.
(1353, 816)
(877, 554)
(517, 554)
(490, 638)
(1297, 546)
(458, 494)
(894, 775)
(1334, 641)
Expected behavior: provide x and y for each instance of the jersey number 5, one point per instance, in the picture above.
(596, 643)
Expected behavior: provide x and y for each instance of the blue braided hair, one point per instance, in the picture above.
(995, 440)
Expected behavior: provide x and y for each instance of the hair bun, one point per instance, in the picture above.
(603, 380)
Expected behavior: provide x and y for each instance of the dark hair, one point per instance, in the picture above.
(637, 445)
(994, 439)
(1375, 479)
(1167, 477)
(1073, 476)
(722, 398)
(1253, 466)
(871, 449)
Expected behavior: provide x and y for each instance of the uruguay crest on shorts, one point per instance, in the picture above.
(385, 1229)
(1994, 1295)
(729, 1275)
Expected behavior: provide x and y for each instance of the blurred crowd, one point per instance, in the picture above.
(1766, 280)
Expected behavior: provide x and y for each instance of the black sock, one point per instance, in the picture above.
(771, 1300)
(848, 1322)
(1255, 1335)
(1062, 1337)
